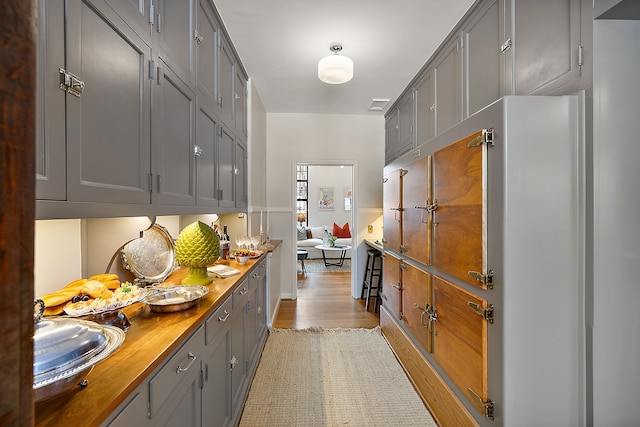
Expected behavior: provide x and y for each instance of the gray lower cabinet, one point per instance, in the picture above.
(133, 412)
(216, 367)
(238, 353)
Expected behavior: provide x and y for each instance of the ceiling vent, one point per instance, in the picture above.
(378, 104)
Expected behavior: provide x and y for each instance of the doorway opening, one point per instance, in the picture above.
(324, 201)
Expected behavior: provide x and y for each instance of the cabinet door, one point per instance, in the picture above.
(133, 412)
(139, 14)
(460, 338)
(206, 37)
(240, 175)
(226, 167)
(483, 60)
(416, 216)
(251, 322)
(108, 125)
(425, 108)
(392, 135)
(240, 104)
(545, 57)
(392, 283)
(174, 26)
(406, 123)
(238, 351)
(392, 210)
(216, 390)
(50, 162)
(261, 309)
(447, 67)
(206, 157)
(459, 221)
(173, 141)
(226, 77)
(417, 305)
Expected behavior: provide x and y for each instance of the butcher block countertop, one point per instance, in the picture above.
(150, 339)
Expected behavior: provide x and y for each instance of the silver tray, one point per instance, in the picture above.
(174, 298)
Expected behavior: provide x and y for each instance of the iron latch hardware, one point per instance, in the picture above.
(486, 313)
(403, 249)
(485, 138)
(485, 279)
(430, 312)
(486, 407)
(71, 83)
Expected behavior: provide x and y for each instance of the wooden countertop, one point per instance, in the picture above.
(150, 339)
(375, 244)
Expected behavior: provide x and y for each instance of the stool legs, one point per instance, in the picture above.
(372, 272)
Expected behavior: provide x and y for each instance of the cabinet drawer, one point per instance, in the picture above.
(218, 320)
(240, 294)
(179, 367)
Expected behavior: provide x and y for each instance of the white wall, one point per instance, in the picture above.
(616, 212)
(328, 139)
(336, 177)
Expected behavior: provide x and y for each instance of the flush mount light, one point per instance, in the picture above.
(335, 69)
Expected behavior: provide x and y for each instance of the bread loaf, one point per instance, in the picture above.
(93, 288)
(59, 297)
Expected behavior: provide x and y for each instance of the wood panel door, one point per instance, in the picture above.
(459, 220)
(416, 199)
(460, 338)
(416, 297)
(392, 284)
(392, 210)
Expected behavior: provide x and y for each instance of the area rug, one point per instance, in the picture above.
(317, 266)
(331, 377)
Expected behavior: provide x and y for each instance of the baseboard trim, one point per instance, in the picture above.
(443, 404)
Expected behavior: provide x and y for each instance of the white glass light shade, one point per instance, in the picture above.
(335, 69)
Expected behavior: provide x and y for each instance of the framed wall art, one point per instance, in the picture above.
(347, 198)
(326, 202)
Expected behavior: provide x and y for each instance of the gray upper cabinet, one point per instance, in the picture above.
(108, 123)
(226, 168)
(206, 157)
(50, 130)
(425, 107)
(406, 122)
(174, 165)
(139, 14)
(483, 59)
(547, 44)
(240, 173)
(392, 135)
(226, 77)
(447, 66)
(240, 104)
(206, 43)
(175, 26)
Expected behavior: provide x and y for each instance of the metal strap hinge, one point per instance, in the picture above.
(486, 313)
(486, 407)
(485, 138)
(485, 279)
(580, 57)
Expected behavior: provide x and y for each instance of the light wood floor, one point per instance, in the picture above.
(324, 300)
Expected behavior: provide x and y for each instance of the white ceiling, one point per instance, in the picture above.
(281, 41)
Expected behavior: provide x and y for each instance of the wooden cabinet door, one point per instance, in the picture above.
(416, 218)
(109, 124)
(447, 66)
(173, 140)
(417, 304)
(392, 284)
(392, 210)
(483, 60)
(459, 221)
(460, 338)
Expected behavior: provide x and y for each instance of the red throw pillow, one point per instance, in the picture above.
(341, 231)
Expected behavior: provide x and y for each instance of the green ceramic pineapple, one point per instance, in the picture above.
(197, 247)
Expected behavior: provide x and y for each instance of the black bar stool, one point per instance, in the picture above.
(373, 270)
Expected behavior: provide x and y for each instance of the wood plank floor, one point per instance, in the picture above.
(324, 300)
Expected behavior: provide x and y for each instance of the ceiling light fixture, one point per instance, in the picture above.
(335, 69)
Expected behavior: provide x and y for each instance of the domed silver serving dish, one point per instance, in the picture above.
(65, 351)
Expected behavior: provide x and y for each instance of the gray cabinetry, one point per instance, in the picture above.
(425, 107)
(240, 175)
(226, 168)
(173, 169)
(482, 37)
(447, 66)
(133, 412)
(238, 354)
(546, 38)
(216, 364)
(108, 124)
(174, 24)
(50, 130)
(240, 104)
(206, 156)
(226, 76)
(400, 127)
(139, 14)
